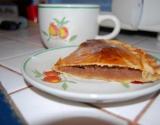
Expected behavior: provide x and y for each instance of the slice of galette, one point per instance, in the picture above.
(110, 60)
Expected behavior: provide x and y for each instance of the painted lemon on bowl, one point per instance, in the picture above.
(53, 29)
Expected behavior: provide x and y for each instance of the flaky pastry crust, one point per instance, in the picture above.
(112, 53)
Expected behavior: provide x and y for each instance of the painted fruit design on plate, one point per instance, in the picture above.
(58, 29)
(53, 77)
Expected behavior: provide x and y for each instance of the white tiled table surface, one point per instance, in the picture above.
(38, 108)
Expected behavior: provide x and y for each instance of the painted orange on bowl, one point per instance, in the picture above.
(63, 32)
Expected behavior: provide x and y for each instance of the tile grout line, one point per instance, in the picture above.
(33, 43)
(10, 69)
(22, 54)
(12, 104)
(135, 43)
(28, 85)
(113, 114)
(21, 89)
(146, 49)
(138, 117)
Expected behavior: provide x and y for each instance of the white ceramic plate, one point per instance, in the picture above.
(77, 89)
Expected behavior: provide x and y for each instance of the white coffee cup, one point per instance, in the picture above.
(71, 24)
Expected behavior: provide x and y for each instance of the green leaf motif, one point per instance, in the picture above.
(46, 34)
(65, 22)
(49, 37)
(57, 21)
(126, 85)
(64, 86)
(71, 81)
(72, 38)
(37, 73)
(63, 19)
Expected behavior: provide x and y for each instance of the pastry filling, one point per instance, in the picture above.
(104, 72)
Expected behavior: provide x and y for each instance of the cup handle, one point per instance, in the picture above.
(116, 29)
